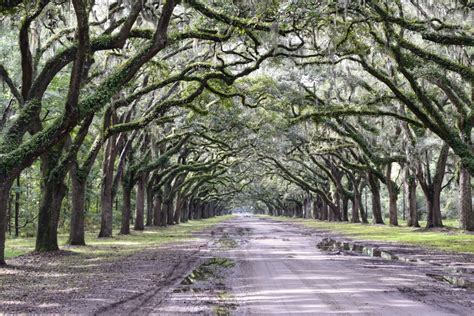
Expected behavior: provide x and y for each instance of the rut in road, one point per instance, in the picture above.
(279, 270)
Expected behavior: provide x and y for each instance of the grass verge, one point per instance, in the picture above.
(121, 244)
(448, 238)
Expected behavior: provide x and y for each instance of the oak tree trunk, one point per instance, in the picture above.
(54, 192)
(17, 207)
(392, 195)
(376, 204)
(157, 210)
(127, 208)
(410, 194)
(77, 229)
(140, 204)
(466, 215)
(149, 205)
(106, 196)
(5, 186)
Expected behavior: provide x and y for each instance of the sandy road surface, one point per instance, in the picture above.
(244, 266)
(280, 271)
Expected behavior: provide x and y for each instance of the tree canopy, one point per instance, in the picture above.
(164, 111)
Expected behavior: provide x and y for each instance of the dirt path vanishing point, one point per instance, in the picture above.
(244, 266)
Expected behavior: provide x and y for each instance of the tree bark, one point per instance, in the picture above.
(140, 203)
(77, 229)
(178, 209)
(127, 208)
(53, 192)
(345, 208)
(157, 210)
(324, 211)
(17, 207)
(432, 189)
(466, 215)
(410, 194)
(48, 218)
(106, 200)
(393, 196)
(169, 209)
(149, 204)
(376, 205)
(5, 187)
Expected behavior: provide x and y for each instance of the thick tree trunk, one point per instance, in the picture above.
(5, 187)
(335, 211)
(9, 215)
(149, 205)
(324, 211)
(466, 215)
(48, 218)
(316, 208)
(376, 204)
(355, 209)
(355, 200)
(178, 210)
(362, 209)
(17, 207)
(77, 230)
(433, 202)
(410, 194)
(140, 204)
(164, 215)
(345, 209)
(185, 211)
(53, 192)
(157, 210)
(433, 190)
(127, 209)
(106, 199)
(392, 195)
(170, 211)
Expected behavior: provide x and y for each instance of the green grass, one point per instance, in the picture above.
(449, 238)
(121, 244)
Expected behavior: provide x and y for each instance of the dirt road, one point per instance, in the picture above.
(279, 270)
(244, 266)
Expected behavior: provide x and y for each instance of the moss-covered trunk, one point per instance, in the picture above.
(5, 186)
(78, 195)
(53, 193)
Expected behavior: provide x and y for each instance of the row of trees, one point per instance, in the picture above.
(118, 81)
(180, 109)
(384, 96)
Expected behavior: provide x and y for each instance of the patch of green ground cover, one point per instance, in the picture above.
(121, 244)
(449, 238)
